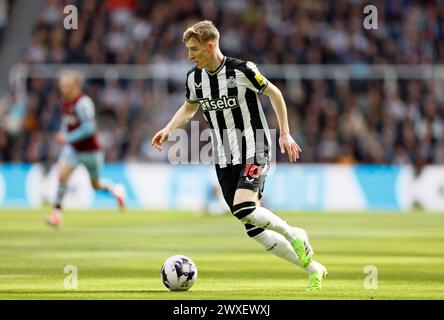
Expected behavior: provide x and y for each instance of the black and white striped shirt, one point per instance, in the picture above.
(230, 104)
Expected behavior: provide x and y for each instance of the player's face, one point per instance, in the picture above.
(198, 52)
(66, 86)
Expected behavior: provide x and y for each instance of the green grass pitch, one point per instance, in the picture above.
(119, 256)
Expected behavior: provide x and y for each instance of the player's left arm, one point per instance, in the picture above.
(286, 141)
(85, 113)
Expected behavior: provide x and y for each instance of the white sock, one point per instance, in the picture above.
(276, 244)
(265, 219)
(314, 266)
(106, 185)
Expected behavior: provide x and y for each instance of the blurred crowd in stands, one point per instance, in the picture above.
(5, 12)
(333, 121)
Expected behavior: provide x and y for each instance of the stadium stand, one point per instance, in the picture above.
(333, 121)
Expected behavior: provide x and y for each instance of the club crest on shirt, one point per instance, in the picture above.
(231, 82)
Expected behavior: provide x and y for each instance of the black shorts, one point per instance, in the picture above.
(241, 176)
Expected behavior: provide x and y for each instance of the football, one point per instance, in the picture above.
(178, 273)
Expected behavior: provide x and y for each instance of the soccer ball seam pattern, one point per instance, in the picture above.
(178, 273)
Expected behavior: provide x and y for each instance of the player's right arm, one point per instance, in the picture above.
(182, 116)
(60, 136)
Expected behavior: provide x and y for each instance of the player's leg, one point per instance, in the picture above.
(291, 243)
(276, 244)
(93, 161)
(117, 190)
(66, 164)
(250, 185)
(267, 228)
(272, 241)
(65, 171)
(247, 210)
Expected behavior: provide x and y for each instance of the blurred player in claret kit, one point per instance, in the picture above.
(227, 90)
(78, 136)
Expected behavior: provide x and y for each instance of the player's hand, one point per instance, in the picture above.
(287, 143)
(60, 138)
(159, 138)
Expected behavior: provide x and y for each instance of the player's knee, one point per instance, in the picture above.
(252, 230)
(243, 209)
(64, 175)
(63, 179)
(95, 184)
(245, 195)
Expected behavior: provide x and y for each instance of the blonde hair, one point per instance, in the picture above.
(77, 76)
(202, 31)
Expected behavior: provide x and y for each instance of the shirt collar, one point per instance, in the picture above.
(218, 69)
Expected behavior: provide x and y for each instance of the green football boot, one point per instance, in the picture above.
(303, 250)
(315, 279)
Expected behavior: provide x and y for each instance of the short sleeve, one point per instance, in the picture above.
(190, 93)
(254, 79)
(85, 109)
